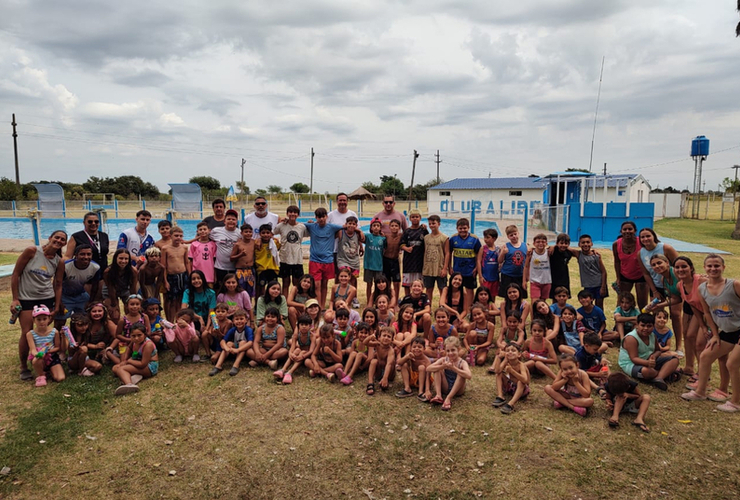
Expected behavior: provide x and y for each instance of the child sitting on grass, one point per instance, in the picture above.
(78, 360)
(301, 348)
(413, 371)
(511, 333)
(237, 342)
(185, 341)
(214, 331)
(625, 314)
(139, 361)
(382, 360)
(512, 377)
(479, 338)
(269, 340)
(326, 358)
(571, 388)
(590, 360)
(452, 374)
(538, 351)
(621, 394)
(358, 354)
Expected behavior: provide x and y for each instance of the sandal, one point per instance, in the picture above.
(370, 389)
(602, 393)
(492, 371)
(643, 427)
(693, 378)
(498, 402)
(675, 376)
(436, 400)
(422, 398)
(613, 423)
(446, 406)
(403, 393)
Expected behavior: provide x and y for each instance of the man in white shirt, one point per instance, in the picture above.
(260, 216)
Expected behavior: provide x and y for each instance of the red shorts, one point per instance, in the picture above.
(492, 287)
(540, 290)
(321, 272)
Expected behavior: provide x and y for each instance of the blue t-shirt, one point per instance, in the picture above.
(663, 338)
(555, 308)
(514, 260)
(248, 335)
(322, 242)
(593, 320)
(201, 302)
(586, 360)
(464, 253)
(374, 247)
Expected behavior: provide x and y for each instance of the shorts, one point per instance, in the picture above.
(687, 309)
(596, 292)
(371, 276)
(246, 279)
(220, 275)
(507, 280)
(73, 304)
(291, 270)
(414, 379)
(321, 272)
(28, 305)
(49, 361)
(153, 367)
(266, 276)
(353, 272)
(430, 281)
(178, 284)
(380, 371)
(408, 278)
(731, 337)
(492, 287)
(470, 282)
(392, 269)
(510, 387)
(637, 369)
(624, 279)
(540, 290)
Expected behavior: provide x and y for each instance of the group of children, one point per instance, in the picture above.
(222, 297)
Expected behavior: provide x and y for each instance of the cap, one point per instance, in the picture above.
(311, 302)
(151, 301)
(232, 212)
(39, 310)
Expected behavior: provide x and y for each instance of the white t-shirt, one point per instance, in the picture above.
(256, 222)
(291, 239)
(224, 240)
(340, 219)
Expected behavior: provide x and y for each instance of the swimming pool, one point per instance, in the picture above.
(16, 228)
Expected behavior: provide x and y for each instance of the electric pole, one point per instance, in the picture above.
(15, 150)
(604, 169)
(736, 232)
(242, 187)
(438, 161)
(310, 188)
(413, 171)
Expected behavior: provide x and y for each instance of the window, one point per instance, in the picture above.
(444, 193)
(515, 193)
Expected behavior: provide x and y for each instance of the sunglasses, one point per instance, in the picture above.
(387, 203)
(260, 204)
(91, 222)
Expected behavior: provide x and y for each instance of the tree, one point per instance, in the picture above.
(391, 185)
(419, 192)
(242, 187)
(261, 192)
(9, 190)
(124, 186)
(206, 182)
(731, 185)
(273, 189)
(299, 187)
(373, 188)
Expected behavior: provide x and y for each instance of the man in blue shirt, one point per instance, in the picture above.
(321, 258)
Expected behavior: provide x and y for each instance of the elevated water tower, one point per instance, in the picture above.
(699, 152)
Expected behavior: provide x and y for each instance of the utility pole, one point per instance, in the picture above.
(604, 169)
(438, 161)
(15, 150)
(242, 187)
(310, 188)
(413, 171)
(736, 232)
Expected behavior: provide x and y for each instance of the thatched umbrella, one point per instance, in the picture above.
(361, 194)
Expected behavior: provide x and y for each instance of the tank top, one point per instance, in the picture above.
(643, 352)
(692, 297)
(445, 335)
(539, 268)
(489, 265)
(36, 279)
(590, 270)
(645, 256)
(42, 341)
(629, 262)
(672, 287)
(514, 260)
(725, 307)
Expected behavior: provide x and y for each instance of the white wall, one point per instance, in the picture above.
(639, 192)
(668, 204)
(496, 203)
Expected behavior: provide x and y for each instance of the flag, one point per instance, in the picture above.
(231, 195)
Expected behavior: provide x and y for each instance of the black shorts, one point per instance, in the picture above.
(291, 270)
(622, 279)
(469, 282)
(220, 275)
(687, 309)
(266, 276)
(507, 280)
(392, 269)
(28, 305)
(731, 337)
(178, 284)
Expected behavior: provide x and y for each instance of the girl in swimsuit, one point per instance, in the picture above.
(357, 360)
(382, 288)
(326, 359)
(453, 372)
(269, 341)
(133, 315)
(540, 310)
(441, 330)
(452, 300)
(139, 359)
(538, 352)
(514, 302)
(480, 335)
(483, 296)
(298, 296)
(661, 266)
(385, 316)
(343, 289)
(571, 388)
(301, 347)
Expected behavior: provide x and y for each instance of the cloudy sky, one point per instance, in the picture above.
(168, 90)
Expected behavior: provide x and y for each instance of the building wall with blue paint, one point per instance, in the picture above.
(606, 228)
(493, 203)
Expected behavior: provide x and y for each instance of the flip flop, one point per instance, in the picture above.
(370, 389)
(437, 400)
(613, 424)
(643, 427)
(446, 406)
(422, 398)
(492, 371)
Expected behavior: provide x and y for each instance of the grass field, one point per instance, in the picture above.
(187, 435)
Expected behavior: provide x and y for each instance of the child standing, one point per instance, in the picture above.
(453, 371)
(413, 371)
(164, 228)
(291, 234)
(242, 255)
(537, 269)
(140, 359)
(225, 239)
(571, 388)
(44, 344)
(202, 253)
(463, 252)
(266, 258)
(391, 267)
(375, 244)
(592, 270)
(237, 342)
(560, 256)
(151, 274)
(435, 256)
(321, 258)
(302, 346)
(487, 262)
(349, 243)
(622, 394)
(512, 377)
(412, 246)
(511, 259)
(177, 268)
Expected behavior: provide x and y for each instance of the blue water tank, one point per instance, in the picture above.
(700, 146)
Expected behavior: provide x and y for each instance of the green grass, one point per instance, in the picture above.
(245, 437)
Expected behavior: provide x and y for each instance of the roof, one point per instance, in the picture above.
(492, 183)
(613, 181)
(361, 193)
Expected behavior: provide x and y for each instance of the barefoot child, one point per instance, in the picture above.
(435, 255)
(511, 261)
(269, 340)
(237, 342)
(326, 358)
(242, 255)
(291, 234)
(640, 355)
(343, 289)
(662, 333)
(391, 267)
(349, 245)
(152, 309)
(297, 297)
(385, 316)
(78, 359)
(537, 269)
(625, 314)
(571, 388)
(440, 331)
(621, 394)
(151, 274)
(487, 263)
(412, 247)
(358, 354)
(215, 331)
(480, 335)
(177, 268)
(375, 244)
(44, 343)
(413, 371)
(540, 310)
(512, 377)
(453, 372)
(382, 361)
(301, 348)
(590, 360)
(266, 257)
(538, 353)
(139, 359)
(514, 302)
(100, 332)
(572, 331)
(234, 297)
(132, 309)
(185, 341)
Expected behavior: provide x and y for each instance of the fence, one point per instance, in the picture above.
(712, 207)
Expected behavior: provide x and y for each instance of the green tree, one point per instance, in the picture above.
(261, 192)
(272, 188)
(242, 187)
(391, 185)
(123, 186)
(9, 190)
(731, 185)
(299, 187)
(373, 188)
(419, 192)
(206, 182)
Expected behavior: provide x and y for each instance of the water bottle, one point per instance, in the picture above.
(14, 315)
(214, 321)
(652, 304)
(471, 356)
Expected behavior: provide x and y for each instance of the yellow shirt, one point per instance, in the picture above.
(263, 258)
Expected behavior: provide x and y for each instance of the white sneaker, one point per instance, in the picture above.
(135, 379)
(126, 389)
(355, 303)
(178, 359)
(196, 358)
